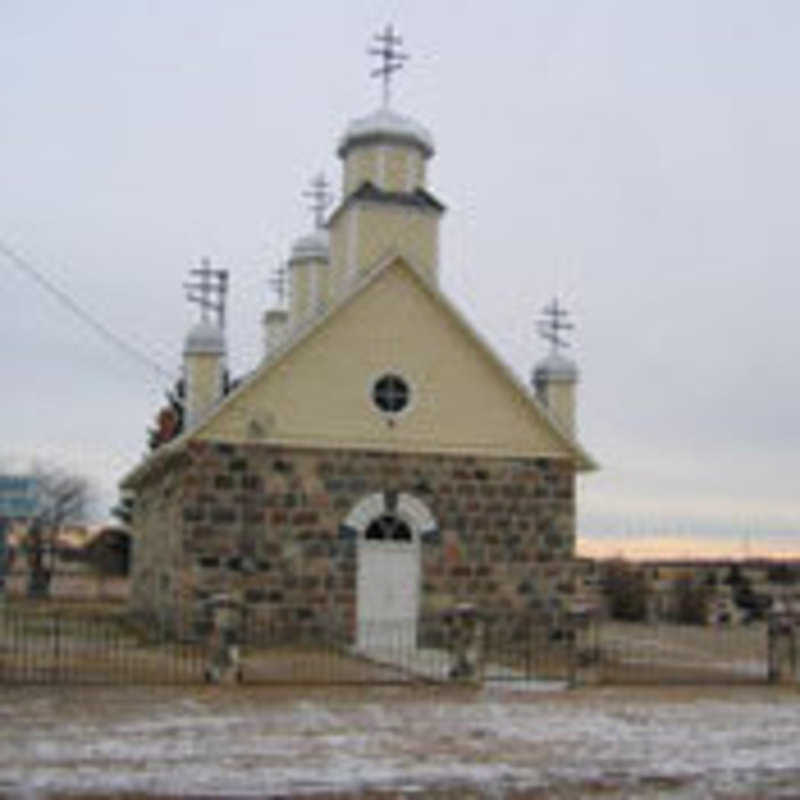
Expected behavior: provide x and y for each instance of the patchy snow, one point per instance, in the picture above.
(228, 742)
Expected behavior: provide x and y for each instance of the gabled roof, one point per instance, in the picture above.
(583, 461)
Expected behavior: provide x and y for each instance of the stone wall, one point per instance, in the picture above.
(264, 524)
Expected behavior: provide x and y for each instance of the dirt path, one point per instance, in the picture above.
(399, 743)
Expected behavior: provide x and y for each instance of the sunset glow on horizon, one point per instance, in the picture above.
(685, 547)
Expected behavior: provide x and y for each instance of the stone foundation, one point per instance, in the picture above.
(263, 524)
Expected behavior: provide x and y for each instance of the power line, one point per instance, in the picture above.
(65, 300)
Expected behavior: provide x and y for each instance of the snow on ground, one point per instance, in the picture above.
(496, 742)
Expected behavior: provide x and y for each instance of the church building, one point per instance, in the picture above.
(381, 463)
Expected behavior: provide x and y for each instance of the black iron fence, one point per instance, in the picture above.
(631, 653)
(42, 643)
(79, 644)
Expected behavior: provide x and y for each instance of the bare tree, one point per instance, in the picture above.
(62, 498)
(625, 588)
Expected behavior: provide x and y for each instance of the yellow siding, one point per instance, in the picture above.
(310, 289)
(365, 234)
(299, 294)
(338, 251)
(561, 401)
(387, 229)
(323, 285)
(421, 174)
(319, 393)
(204, 383)
(400, 169)
(359, 166)
(393, 168)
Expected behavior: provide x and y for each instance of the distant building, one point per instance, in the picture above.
(19, 497)
(19, 503)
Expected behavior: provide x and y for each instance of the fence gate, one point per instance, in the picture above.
(525, 649)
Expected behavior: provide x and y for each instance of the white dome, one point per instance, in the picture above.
(385, 124)
(204, 337)
(555, 368)
(311, 246)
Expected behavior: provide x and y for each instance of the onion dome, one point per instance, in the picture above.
(312, 246)
(555, 367)
(386, 126)
(204, 338)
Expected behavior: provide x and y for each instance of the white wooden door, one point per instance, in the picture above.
(388, 595)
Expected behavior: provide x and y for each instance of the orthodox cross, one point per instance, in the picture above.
(553, 322)
(391, 58)
(208, 289)
(320, 197)
(277, 282)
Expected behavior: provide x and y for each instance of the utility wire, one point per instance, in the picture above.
(63, 298)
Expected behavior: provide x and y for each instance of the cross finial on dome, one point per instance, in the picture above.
(391, 58)
(321, 197)
(208, 290)
(553, 322)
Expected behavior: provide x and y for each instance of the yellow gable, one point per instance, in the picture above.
(318, 392)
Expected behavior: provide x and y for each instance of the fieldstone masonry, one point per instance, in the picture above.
(263, 524)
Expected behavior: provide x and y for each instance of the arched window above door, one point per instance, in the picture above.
(389, 528)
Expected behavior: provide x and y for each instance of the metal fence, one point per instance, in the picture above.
(63, 644)
(43, 644)
(641, 653)
(525, 648)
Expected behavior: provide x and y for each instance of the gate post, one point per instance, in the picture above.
(583, 656)
(782, 647)
(223, 660)
(464, 632)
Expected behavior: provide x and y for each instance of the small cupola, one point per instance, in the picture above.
(554, 378)
(204, 338)
(386, 149)
(275, 322)
(309, 260)
(385, 209)
(204, 369)
(204, 360)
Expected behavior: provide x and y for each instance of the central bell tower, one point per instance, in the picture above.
(386, 208)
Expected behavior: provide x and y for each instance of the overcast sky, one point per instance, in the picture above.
(640, 158)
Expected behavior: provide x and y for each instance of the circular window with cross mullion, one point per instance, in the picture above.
(391, 393)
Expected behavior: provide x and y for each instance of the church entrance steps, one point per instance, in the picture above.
(436, 665)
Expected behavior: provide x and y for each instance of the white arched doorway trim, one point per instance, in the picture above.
(388, 572)
(410, 509)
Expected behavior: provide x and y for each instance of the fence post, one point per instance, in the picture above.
(782, 633)
(528, 646)
(582, 648)
(57, 646)
(572, 666)
(464, 632)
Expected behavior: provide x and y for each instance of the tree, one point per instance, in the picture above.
(625, 589)
(62, 497)
(123, 510)
(170, 418)
(691, 600)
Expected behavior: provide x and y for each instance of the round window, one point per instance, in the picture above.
(390, 393)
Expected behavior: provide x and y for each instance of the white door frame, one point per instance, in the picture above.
(385, 631)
